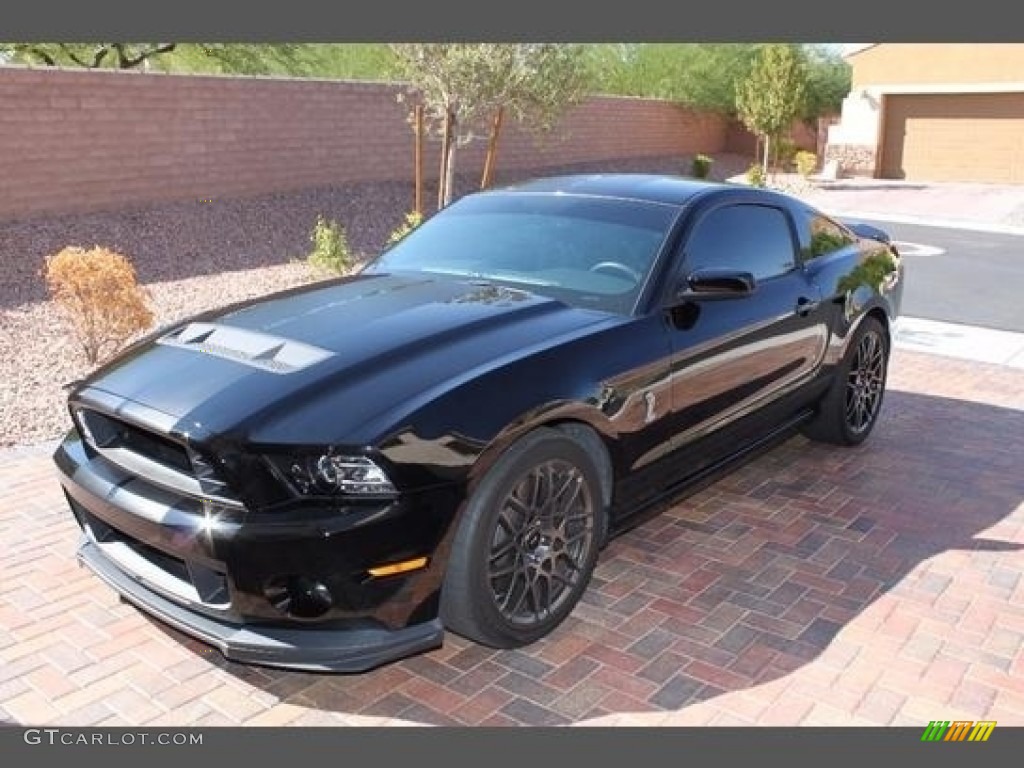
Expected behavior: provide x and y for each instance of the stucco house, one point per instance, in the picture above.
(933, 112)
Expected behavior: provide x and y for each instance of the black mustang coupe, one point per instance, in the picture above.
(329, 477)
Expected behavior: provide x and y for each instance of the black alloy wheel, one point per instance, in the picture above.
(524, 552)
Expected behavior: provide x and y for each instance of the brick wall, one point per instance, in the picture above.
(78, 140)
(740, 141)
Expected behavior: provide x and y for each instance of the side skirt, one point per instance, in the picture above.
(691, 484)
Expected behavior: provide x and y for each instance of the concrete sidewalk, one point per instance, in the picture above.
(988, 207)
(983, 345)
(993, 207)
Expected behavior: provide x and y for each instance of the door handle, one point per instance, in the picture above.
(805, 306)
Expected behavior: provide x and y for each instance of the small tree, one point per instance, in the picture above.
(461, 85)
(772, 97)
(97, 290)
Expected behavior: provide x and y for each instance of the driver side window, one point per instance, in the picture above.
(748, 237)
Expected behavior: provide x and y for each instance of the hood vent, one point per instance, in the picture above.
(252, 348)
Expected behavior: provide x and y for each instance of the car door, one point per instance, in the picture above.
(734, 355)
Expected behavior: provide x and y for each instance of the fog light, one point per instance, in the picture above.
(299, 597)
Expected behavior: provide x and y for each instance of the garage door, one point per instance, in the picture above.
(954, 137)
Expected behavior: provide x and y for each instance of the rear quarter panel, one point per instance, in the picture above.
(865, 278)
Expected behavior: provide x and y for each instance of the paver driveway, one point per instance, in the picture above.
(816, 585)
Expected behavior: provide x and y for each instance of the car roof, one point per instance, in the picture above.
(654, 188)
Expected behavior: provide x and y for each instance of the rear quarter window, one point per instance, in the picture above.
(823, 236)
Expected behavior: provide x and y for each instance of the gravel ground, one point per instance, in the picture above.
(789, 183)
(37, 357)
(191, 257)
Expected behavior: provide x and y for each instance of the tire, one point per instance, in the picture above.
(527, 545)
(849, 410)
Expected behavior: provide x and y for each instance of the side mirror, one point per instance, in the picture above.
(717, 284)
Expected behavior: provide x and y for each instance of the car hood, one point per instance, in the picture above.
(367, 343)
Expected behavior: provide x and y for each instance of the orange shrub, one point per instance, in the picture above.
(98, 291)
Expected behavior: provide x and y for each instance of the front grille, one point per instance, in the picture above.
(106, 432)
(143, 472)
(153, 457)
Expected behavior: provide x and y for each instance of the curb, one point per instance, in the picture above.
(965, 342)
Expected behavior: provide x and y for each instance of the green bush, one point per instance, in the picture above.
(412, 220)
(330, 247)
(701, 167)
(806, 162)
(755, 175)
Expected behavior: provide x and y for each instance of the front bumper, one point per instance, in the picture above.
(352, 650)
(204, 570)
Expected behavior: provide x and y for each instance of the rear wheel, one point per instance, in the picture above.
(850, 408)
(527, 545)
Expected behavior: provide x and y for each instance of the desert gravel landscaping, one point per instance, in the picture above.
(38, 357)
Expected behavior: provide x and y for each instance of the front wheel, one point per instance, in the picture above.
(850, 408)
(527, 545)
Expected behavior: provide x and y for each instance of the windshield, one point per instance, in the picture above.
(588, 252)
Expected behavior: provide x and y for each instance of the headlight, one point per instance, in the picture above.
(331, 473)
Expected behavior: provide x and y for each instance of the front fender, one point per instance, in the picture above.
(598, 380)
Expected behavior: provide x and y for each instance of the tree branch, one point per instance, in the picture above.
(125, 62)
(72, 55)
(99, 56)
(47, 59)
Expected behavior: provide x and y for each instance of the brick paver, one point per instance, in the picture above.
(815, 585)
